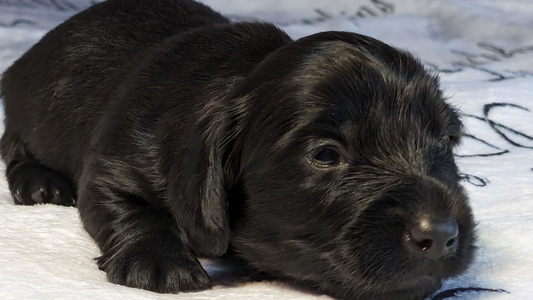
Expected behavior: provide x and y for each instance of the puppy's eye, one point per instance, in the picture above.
(325, 157)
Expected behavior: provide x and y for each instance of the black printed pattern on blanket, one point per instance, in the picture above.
(487, 53)
(65, 6)
(452, 293)
(506, 133)
(374, 8)
(59, 5)
(17, 22)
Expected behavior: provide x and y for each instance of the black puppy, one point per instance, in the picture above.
(325, 161)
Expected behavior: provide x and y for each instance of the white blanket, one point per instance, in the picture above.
(484, 52)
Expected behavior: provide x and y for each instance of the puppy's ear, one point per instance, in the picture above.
(199, 184)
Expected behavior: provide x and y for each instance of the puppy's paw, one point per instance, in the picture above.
(32, 183)
(157, 267)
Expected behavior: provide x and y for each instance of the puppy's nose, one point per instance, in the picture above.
(433, 238)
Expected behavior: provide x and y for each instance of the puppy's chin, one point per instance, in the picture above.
(415, 289)
(410, 289)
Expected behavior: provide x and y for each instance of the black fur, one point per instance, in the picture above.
(182, 135)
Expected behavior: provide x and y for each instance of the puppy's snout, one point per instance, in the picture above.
(433, 238)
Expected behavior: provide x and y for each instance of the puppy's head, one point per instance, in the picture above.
(346, 180)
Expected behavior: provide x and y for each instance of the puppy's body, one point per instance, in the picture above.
(180, 134)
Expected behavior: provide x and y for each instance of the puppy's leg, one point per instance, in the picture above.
(140, 241)
(31, 182)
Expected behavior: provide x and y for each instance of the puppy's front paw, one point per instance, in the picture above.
(157, 267)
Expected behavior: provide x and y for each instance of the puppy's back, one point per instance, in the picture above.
(65, 80)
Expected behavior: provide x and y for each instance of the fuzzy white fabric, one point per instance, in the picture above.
(484, 52)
